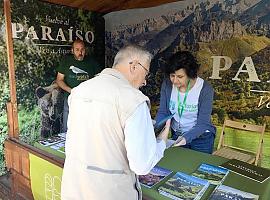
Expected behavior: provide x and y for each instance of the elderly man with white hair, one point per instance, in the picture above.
(110, 138)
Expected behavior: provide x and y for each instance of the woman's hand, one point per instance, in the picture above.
(165, 132)
(180, 141)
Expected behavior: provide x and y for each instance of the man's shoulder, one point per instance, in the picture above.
(67, 59)
(90, 59)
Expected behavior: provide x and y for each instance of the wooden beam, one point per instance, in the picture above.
(11, 70)
(106, 6)
(10, 120)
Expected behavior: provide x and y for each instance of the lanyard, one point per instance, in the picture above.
(181, 107)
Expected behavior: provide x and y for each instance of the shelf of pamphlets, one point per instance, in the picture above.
(54, 144)
(182, 186)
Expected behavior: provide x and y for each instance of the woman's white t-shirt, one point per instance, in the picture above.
(189, 115)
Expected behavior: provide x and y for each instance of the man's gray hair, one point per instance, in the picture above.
(132, 52)
(77, 41)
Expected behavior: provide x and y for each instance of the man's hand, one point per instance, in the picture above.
(165, 132)
(180, 141)
(60, 80)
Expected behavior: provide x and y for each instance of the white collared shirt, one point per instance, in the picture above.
(143, 149)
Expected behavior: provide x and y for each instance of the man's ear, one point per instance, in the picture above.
(132, 67)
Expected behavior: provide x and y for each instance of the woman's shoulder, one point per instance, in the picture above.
(207, 85)
(167, 81)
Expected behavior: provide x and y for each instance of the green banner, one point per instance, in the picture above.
(45, 179)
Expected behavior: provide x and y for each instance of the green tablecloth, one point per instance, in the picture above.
(50, 150)
(185, 160)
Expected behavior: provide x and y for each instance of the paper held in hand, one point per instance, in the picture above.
(158, 127)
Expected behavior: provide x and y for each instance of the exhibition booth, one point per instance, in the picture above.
(231, 42)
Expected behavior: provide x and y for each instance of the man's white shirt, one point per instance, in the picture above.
(143, 149)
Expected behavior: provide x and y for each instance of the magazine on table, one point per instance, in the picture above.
(156, 175)
(184, 187)
(214, 174)
(60, 146)
(223, 192)
(51, 140)
(250, 171)
(62, 135)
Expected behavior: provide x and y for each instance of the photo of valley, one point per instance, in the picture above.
(231, 40)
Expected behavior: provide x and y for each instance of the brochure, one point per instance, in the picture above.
(156, 175)
(158, 127)
(59, 146)
(253, 172)
(184, 187)
(215, 175)
(51, 140)
(223, 192)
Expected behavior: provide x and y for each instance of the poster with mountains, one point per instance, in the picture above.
(235, 29)
(230, 39)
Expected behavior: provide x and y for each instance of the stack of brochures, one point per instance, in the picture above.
(56, 142)
(192, 186)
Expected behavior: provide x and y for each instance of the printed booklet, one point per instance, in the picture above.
(156, 175)
(253, 172)
(215, 175)
(223, 192)
(51, 140)
(184, 187)
(158, 127)
(59, 146)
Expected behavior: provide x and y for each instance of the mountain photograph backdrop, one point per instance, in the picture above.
(231, 40)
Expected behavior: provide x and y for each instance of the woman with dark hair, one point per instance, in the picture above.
(190, 98)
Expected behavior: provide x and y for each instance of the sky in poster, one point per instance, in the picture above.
(133, 16)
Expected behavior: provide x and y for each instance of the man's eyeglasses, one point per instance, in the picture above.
(144, 68)
(147, 76)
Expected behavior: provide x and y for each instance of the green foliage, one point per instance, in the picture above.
(221, 113)
(33, 69)
(29, 124)
(4, 92)
(235, 97)
(236, 48)
(3, 136)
